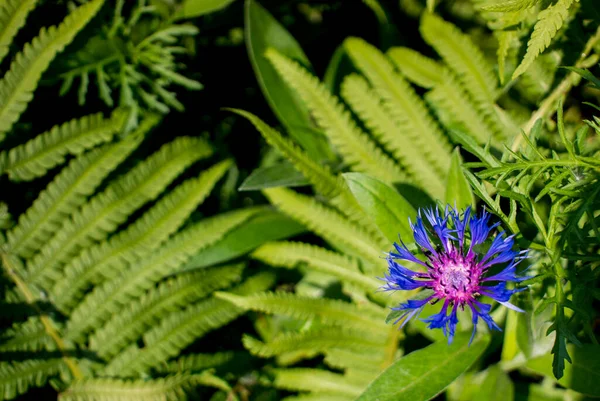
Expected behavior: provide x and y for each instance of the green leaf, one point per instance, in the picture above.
(282, 174)
(496, 386)
(458, 190)
(423, 374)
(582, 375)
(388, 209)
(266, 225)
(196, 8)
(263, 32)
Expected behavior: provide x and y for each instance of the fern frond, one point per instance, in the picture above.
(106, 259)
(548, 24)
(197, 362)
(170, 388)
(17, 86)
(365, 361)
(323, 180)
(344, 267)
(328, 223)
(418, 68)
(316, 381)
(66, 193)
(328, 311)
(13, 14)
(140, 276)
(402, 104)
(355, 146)
(17, 378)
(180, 329)
(317, 340)
(367, 105)
(509, 5)
(107, 210)
(132, 321)
(26, 336)
(48, 150)
(462, 56)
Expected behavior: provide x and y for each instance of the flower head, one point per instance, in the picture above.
(455, 271)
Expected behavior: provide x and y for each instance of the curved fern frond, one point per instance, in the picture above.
(328, 311)
(107, 259)
(27, 336)
(548, 24)
(418, 68)
(402, 104)
(316, 381)
(132, 321)
(17, 378)
(20, 81)
(509, 5)
(46, 151)
(107, 210)
(66, 193)
(344, 267)
(178, 330)
(13, 14)
(462, 56)
(111, 296)
(170, 388)
(317, 340)
(328, 223)
(367, 105)
(323, 180)
(355, 146)
(365, 361)
(197, 362)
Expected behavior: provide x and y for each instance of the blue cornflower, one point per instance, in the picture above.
(454, 271)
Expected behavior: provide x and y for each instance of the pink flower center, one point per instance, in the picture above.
(456, 281)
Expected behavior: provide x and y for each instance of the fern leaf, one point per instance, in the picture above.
(17, 378)
(178, 330)
(506, 6)
(48, 150)
(109, 298)
(185, 289)
(367, 105)
(317, 341)
(419, 69)
(462, 56)
(324, 181)
(170, 388)
(355, 146)
(106, 259)
(13, 14)
(402, 104)
(17, 86)
(26, 336)
(548, 24)
(197, 362)
(344, 267)
(315, 380)
(328, 311)
(328, 223)
(107, 210)
(365, 361)
(68, 191)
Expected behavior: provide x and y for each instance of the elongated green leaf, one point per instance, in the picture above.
(423, 374)
(458, 190)
(582, 375)
(13, 14)
(278, 175)
(266, 225)
(263, 32)
(196, 8)
(383, 204)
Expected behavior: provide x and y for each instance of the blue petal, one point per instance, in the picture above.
(508, 274)
(481, 310)
(480, 229)
(502, 246)
(404, 253)
(460, 225)
(412, 307)
(499, 292)
(421, 236)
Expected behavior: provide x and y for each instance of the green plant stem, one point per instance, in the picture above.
(12, 273)
(547, 106)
